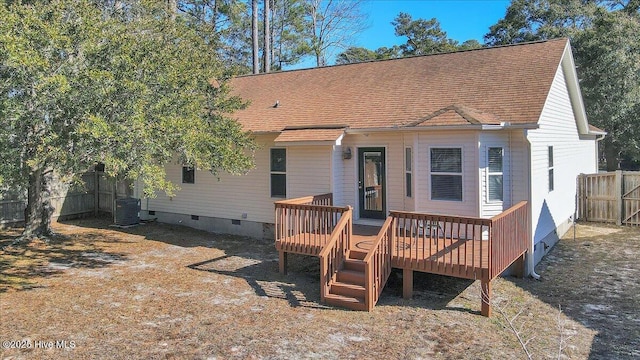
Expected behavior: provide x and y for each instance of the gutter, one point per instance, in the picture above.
(483, 127)
(488, 127)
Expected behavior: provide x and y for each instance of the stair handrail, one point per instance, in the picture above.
(378, 264)
(333, 254)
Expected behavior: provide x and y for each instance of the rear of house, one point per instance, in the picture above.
(468, 133)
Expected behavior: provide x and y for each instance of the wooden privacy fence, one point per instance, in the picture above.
(97, 195)
(612, 197)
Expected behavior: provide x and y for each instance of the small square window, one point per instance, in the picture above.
(188, 175)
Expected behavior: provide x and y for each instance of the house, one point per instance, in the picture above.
(469, 133)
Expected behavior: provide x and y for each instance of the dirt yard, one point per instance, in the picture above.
(158, 292)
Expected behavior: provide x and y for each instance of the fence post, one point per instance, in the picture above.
(618, 194)
(96, 193)
(114, 196)
(580, 201)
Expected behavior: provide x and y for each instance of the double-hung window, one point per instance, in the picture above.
(550, 167)
(278, 173)
(446, 174)
(495, 189)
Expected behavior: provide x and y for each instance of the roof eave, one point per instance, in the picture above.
(483, 127)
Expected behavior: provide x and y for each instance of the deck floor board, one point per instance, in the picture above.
(444, 256)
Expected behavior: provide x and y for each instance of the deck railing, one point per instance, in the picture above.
(335, 251)
(509, 237)
(378, 264)
(304, 225)
(322, 199)
(465, 247)
(446, 245)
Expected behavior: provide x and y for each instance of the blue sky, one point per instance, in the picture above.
(460, 19)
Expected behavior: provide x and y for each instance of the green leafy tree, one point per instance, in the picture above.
(531, 20)
(609, 67)
(605, 37)
(288, 33)
(356, 55)
(423, 36)
(470, 45)
(359, 54)
(133, 92)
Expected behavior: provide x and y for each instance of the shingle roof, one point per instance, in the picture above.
(484, 86)
(296, 135)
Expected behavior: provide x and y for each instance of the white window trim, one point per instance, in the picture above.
(286, 166)
(461, 174)
(489, 173)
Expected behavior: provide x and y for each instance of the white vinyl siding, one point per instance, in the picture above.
(308, 170)
(514, 170)
(337, 180)
(228, 196)
(571, 156)
(395, 170)
(225, 196)
(468, 142)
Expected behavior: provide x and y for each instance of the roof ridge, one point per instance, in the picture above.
(489, 48)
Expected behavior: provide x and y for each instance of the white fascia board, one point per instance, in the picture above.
(573, 85)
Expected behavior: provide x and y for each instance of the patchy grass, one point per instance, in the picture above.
(162, 291)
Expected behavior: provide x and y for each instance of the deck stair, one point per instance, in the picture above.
(348, 290)
(465, 247)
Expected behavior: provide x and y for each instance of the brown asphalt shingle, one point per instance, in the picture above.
(309, 135)
(484, 86)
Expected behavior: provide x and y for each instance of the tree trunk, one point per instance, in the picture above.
(267, 38)
(254, 35)
(172, 8)
(611, 155)
(39, 210)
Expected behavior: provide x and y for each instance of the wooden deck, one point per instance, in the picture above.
(356, 260)
(452, 257)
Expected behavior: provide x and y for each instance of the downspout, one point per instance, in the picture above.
(530, 254)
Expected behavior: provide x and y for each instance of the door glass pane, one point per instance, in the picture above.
(372, 181)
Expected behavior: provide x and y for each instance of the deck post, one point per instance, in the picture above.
(485, 295)
(407, 283)
(519, 266)
(283, 262)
